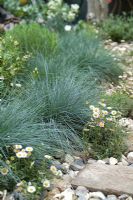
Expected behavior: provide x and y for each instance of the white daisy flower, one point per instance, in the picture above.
(21, 154)
(24, 155)
(96, 110)
(104, 112)
(53, 169)
(96, 115)
(29, 149)
(31, 189)
(46, 183)
(4, 171)
(101, 124)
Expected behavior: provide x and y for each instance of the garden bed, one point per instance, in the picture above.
(66, 99)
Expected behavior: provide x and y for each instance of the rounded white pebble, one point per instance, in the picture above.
(130, 157)
(99, 195)
(113, 161)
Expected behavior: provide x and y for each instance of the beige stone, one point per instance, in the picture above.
(113, 161)
(68, 194)
(62, 184)
(110, 179)
(51, 194)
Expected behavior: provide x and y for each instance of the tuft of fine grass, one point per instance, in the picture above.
(86, 52)
(120, 101)
(61, 98)
(49, 115)
(35, 38)
(18, 126)
(117, 28)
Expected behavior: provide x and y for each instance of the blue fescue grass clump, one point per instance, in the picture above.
(20, 126)
(49, 114)
(80, 50)
(62, 99)
(86, 52)
(51, 111)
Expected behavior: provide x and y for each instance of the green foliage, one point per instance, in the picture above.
(19, 125)
(48, 109)
(117, 28)
(19, 170)
(126, 83)
(11, 59)
(59, 13)
(8, 181)
(35, 38)
(102, 136)
(14, 55)
(24, 8)
(87, 53)
(120, 101)
(50, 113)
(55, 14)
(12, 62)
(88, 27)
(61, 99)
(53, 104)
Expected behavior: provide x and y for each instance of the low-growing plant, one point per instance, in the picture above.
(47, 109)
(19, 127)
(58, 13)
(35, 39)
(25, 9)
(88, 27)
(121, 101)
(12, 62)
(126, 83)
(87, 53)
(122, 95)
(55, 14)
(117, 28)
(60, 98)
(102, 135)
(21, 171)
